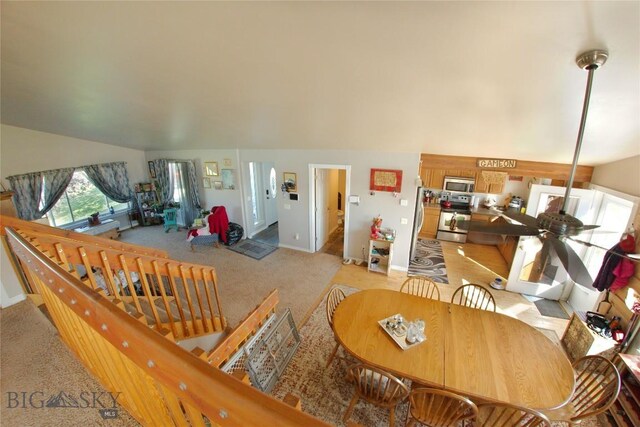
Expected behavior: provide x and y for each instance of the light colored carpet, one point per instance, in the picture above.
(244, 282)
(34, 358)
(36, 362)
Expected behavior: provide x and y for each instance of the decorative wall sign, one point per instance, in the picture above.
(494, 177)
(217, 185)
(497, 163)
(206, 182)
(386, 180)
(227, 163)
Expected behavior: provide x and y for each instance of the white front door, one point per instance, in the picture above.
(551, 282)
(269, 192)
(322, 208)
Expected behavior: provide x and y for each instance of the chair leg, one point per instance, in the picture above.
(392, 416)
(352, 405)
(333, 354)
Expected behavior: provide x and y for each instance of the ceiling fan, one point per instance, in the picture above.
(554, 229)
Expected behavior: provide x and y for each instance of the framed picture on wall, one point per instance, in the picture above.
(152, 170)
(217, 185)
(206, 182)
(211, 168)
(229, 179)
(290, 181)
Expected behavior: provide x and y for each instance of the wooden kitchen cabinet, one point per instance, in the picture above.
(483, 187)
(432, 178)
(430, 225)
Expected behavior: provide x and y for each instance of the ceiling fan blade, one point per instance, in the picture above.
(493, 228)
(571, 262)
(632, 257)
(589, 227)
(521, 218)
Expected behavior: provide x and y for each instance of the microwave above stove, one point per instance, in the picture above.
(458, 184)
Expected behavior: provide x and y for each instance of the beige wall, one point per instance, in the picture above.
(24, 150)
(622, 175)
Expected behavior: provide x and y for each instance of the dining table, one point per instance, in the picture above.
(483, 355)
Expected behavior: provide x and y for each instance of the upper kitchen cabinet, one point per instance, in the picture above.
(435, 167)
(483, 187)
(432, 178)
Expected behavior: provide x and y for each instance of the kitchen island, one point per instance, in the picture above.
(506, 245)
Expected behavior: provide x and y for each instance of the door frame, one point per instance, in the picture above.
(251, 228)
(556, 290)
(312, 203)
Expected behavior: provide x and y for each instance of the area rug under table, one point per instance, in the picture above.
(429, 261)
(324, 391)
(253, 248)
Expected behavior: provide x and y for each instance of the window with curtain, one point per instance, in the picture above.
(80, 200)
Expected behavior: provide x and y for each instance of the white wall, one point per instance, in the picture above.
(209, 197)
(295, 221)
(622, 175)
(24, 150)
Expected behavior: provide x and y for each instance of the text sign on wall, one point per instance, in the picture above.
(386, 180)
(497, 163)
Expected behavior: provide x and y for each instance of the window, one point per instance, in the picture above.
(80, 200)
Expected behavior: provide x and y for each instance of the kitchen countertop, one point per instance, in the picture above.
(486, 211)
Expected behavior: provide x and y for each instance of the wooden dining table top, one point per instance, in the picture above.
(480, 354)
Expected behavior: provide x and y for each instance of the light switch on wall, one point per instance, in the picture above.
(404, 202)
(404, 221)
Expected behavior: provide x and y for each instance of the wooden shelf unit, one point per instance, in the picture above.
(380, 255)
(626, 409)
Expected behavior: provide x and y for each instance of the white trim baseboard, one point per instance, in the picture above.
(13, 300)
(295, 248)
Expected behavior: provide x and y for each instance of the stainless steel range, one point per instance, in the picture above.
(455, 207)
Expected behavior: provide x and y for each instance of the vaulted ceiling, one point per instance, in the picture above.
(461, 78)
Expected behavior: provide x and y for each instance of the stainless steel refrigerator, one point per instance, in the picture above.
(418, 219)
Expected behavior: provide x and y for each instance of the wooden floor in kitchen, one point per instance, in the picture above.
(466, 263)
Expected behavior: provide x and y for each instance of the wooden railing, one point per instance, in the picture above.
(244, 331)
(161, 292)
(160, 383)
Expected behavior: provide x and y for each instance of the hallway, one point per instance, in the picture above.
(335, 244)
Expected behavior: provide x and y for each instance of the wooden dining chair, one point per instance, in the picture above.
(378, 387)
(506, 415)
(474, 296)
(422, 287)
(334, 298)
(439, 408)
(597, 387)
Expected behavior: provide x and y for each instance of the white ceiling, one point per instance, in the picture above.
(461, 78)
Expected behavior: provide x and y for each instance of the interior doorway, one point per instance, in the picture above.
(261, 203)
(329, 210)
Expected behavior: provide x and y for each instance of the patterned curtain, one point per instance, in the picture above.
(27, 189)
(164, 180)
(111, 179)
(55, 183)
(193, 184)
